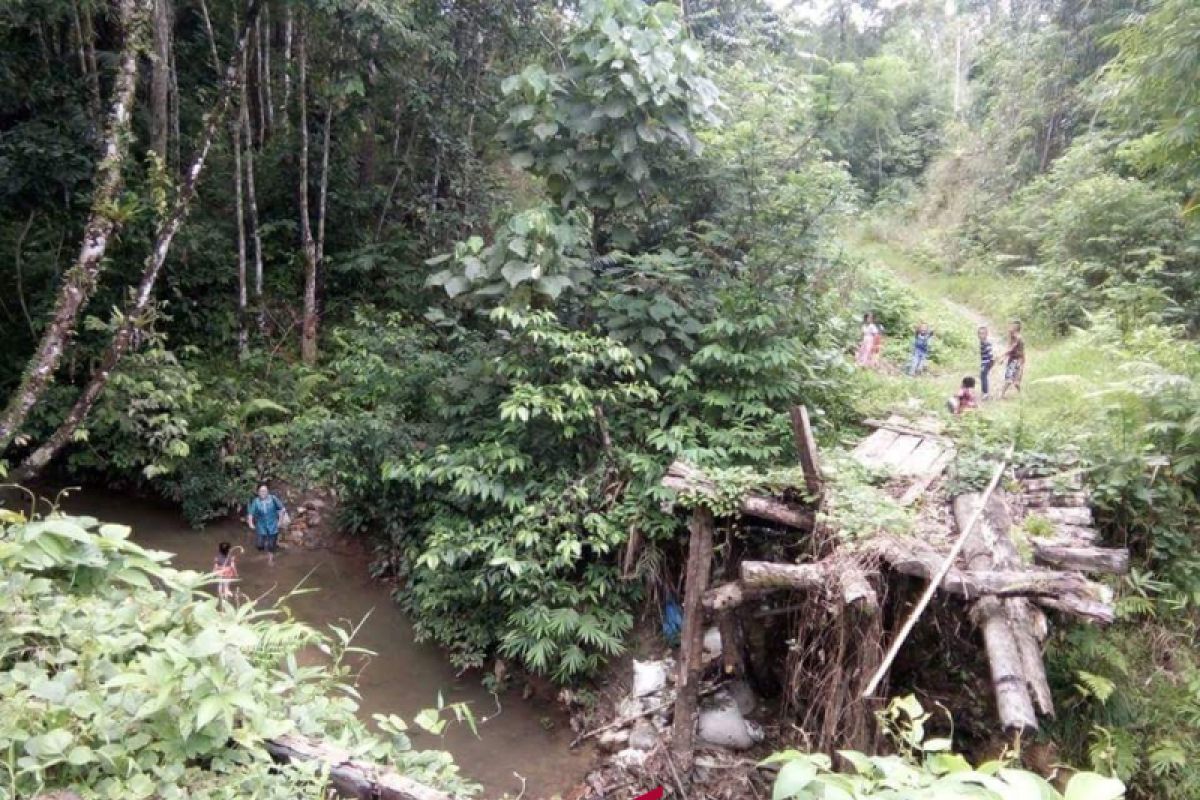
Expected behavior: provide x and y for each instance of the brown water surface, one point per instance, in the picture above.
(403, 677)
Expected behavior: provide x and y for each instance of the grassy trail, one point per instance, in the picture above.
(1063, 379)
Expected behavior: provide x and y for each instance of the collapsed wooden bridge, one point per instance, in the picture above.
(1006, 572)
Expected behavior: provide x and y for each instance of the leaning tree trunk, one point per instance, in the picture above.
(167, 229)
(308, 330)
(80, 281)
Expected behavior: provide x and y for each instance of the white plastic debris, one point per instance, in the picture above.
(722, 724)
(712, 644)
(649, 677)
(644, 736)
(630, 758)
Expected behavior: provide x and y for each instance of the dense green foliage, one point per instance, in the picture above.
(121, 677)
(562, 245)
(924, 768)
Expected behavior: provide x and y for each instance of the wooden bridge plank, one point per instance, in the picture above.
(870, 449)
(895, 456)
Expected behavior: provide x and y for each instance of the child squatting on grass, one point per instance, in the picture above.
(965, 398)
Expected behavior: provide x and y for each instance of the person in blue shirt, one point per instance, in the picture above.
(263, 514)
(987, 358)
(920, 354)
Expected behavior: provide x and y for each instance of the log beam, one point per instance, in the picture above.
(1110, 560)
(683, 477)
(351, 778)
(1068, 592)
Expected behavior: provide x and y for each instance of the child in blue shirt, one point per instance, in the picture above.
(920, 354)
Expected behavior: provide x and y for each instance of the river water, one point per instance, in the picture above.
(525, 737)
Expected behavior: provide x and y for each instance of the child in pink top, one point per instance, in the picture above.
(965, 398)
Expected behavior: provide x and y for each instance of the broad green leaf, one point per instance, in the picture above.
(792, 778)
(1090, 786)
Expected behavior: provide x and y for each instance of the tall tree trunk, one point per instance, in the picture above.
(94, 108)
(236, 130)
(264, 44)
(323, 197)
(258, 82)
(136, 310)
(80, 281)
(160, 79)
(176, 138)
(252, 198)
(287, 61)
(308, 331)
(89, 49)
(212, 36)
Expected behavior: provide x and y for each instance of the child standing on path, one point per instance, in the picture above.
(872, 340)
(225, 565)
(986, 359)
(263, 515)
(920, 353)
(1014, 367)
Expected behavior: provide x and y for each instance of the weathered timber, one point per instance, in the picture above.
(1048, 499)
(1009, 656)
(683, 477)
(904, 427)
(1013, 703)
(687, 684)
(1069, 481)
(806, 448)
(923, 458)
(1065, 591)
(1071, 515)
(351, 778)
(731, 643)
(765, 575)
(632, 549)
(1084, 559)
(1029, 629)
(918, 486)
(1072, 535)
(856, 590)
(870, 449)
(901, 450)
(760, 577)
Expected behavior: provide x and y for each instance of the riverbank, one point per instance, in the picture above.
(523, 745)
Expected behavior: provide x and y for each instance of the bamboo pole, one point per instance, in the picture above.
(937, 579)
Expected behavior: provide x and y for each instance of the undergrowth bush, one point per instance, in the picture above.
(120, 678)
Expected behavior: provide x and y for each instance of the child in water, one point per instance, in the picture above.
(965, 398)
(225, 565)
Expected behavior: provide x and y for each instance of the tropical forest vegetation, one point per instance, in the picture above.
(482, 269)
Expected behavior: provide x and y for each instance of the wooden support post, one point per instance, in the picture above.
(691, 657)
(731, 643)
(806, 448)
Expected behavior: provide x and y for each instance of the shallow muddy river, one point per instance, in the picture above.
(524, 737)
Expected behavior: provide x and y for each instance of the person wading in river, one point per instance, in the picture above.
(264, 514)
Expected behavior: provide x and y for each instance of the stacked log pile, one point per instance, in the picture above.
(1008, 588)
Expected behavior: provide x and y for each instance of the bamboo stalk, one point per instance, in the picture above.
(932, 588)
